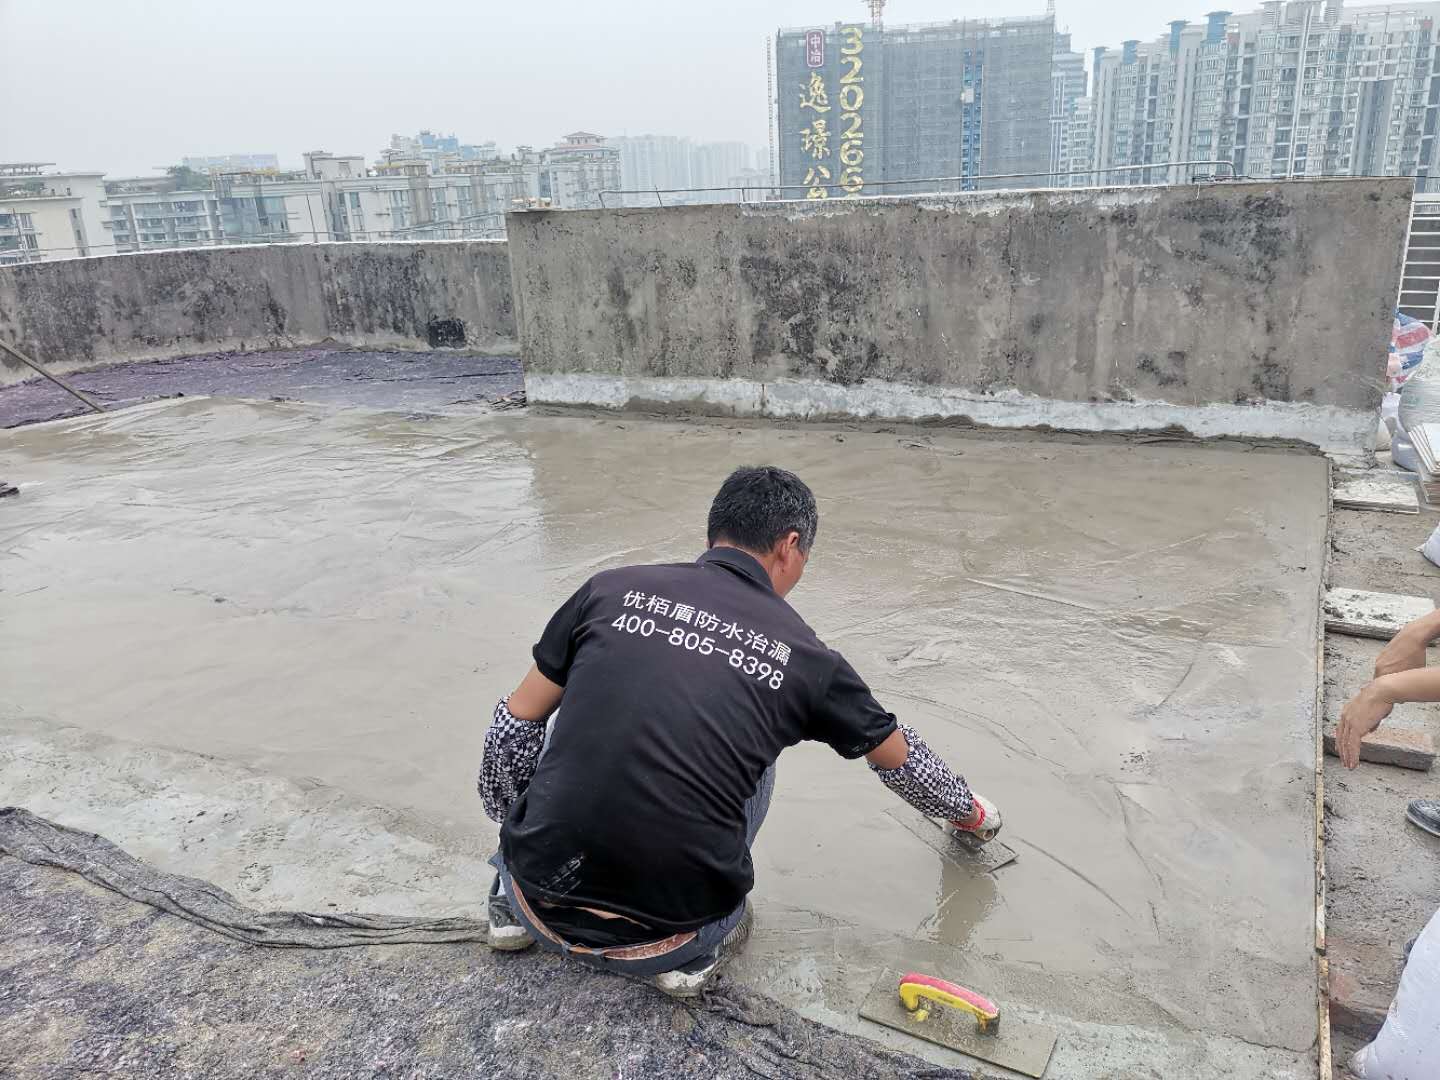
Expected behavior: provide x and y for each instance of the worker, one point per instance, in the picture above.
(628, 818)
(1400, 676)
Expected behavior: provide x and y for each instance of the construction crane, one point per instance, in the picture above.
(877, 11)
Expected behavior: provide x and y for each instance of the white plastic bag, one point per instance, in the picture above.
(1431, 548)
(1408, 1046)
(1403, 453)
(1420, 396)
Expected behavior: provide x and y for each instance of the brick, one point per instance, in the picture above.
(1407, 748)
(1363, 979)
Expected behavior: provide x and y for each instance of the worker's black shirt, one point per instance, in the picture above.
(682, 685)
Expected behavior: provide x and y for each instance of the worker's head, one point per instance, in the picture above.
(771, 514)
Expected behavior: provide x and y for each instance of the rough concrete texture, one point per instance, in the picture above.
(415, 381)
(1383, 873)
(1113, 640)
(81, 313)
(92, 984)
(1184, 296)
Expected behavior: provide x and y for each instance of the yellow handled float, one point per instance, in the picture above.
(917, 989)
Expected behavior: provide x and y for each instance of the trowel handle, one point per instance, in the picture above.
(916, 989)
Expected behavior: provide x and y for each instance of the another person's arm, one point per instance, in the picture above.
(1362, 713)
(1406, 649)
(1400, 676)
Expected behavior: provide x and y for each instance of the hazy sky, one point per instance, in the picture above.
(125, 86)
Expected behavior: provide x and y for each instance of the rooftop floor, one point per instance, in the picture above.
(432, 382)
(1114, 640)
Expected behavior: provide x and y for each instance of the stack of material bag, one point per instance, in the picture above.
(1419, 403)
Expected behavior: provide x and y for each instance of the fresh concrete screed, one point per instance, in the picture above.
(1115, 641)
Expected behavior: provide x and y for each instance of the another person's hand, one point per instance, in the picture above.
(983, 822)
(1405, 652)
(1362, 715)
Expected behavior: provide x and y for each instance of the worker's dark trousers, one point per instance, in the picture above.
(706, 940)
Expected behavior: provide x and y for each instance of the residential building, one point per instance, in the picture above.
(333, 198)
(1299, 89)
(715, 163)
(437, 151)
(648, 162)
(232, 163)
(865, 111)
(1079, 145)
(1067, 89)
(1145, 98)
(576, 170)
(748, 185)
(148, 213)
(48, 216)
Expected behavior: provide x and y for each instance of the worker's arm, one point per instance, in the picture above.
(1406, 649)
(514, 741)
(535, 698)
(1362, 713)
(908, 767)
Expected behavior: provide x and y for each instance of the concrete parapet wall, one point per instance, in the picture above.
(83, 313)
(1229, 309)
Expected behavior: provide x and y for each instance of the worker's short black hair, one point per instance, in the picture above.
(757, 506)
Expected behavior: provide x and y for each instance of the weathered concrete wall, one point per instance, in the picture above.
(1234, 309)
(91, 312)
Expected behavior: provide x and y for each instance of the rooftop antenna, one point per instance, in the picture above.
(1050, 8)
(877, 12)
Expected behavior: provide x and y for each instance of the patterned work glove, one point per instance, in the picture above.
(512, 750)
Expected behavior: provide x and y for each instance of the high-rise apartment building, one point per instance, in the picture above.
(1067, 90)
(863, 109)
(670, 164)
(654, 162)
(1079, 146)
(1145, 98)
(1300, 89)
(716, 163)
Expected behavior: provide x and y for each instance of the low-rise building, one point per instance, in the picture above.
(148, 212)
(578, 169)
(48, 216)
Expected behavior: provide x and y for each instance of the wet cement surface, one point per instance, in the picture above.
(422, 381)
(1113, 641)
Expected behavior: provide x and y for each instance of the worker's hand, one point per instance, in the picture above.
(983, 822)
(1405, 652)
(1362, 715)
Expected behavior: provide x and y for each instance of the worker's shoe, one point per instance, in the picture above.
(1426, 814)
(691, 980)
(506, 933)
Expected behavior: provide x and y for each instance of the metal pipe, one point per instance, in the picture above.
(56, 379)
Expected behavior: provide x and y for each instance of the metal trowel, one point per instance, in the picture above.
(959, 847)
(953, 1016)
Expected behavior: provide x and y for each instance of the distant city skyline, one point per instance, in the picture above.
(141, 92)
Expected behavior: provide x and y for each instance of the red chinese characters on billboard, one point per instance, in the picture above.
(815, 48)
